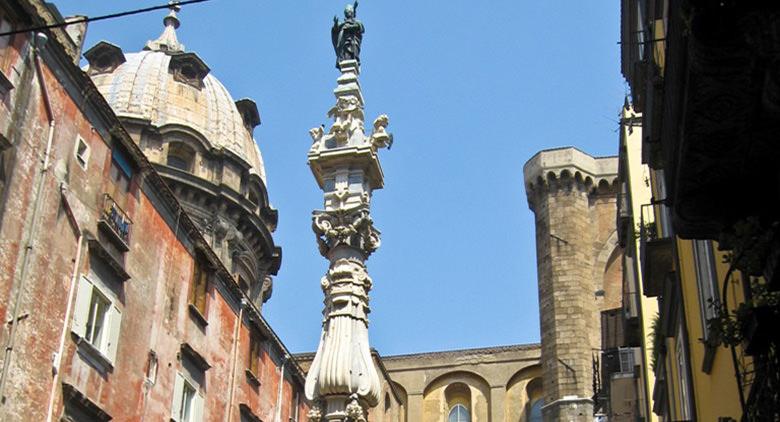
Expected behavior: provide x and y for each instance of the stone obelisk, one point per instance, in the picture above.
(342, 383)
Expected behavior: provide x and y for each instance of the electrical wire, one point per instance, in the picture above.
(100, 18)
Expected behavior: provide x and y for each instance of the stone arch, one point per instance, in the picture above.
(180, 155)
(535, 393)
(607, 273)
(403, 399)
(435, 403)
(518, 397)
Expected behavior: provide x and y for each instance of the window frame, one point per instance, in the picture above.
(458, 406)
(121, 170)
(707, 283)
(81, 158)
(683, 380)
(534, 405)
(83, 316)
(255, 353)
(195, 405)
(6, 43)
(198, 293)
(182, 152)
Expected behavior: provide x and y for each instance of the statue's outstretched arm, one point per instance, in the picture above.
(334, 31)
(355, 7)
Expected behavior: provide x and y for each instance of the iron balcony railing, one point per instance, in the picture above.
(116, 219)
(655, 251)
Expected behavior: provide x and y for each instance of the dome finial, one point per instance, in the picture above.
(167, 42)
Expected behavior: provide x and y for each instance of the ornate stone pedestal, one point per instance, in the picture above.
(342, 382)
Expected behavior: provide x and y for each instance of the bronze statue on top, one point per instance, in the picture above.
(347, 35)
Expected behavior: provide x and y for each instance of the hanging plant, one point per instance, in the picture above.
(752, 323)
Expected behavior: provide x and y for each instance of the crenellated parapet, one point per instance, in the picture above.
(569, 168)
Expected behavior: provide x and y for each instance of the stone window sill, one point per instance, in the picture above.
(93, 356)
(5, 84)
(197, 316)
(252, 378)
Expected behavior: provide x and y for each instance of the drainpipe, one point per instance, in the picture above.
(57, 357)
(29, 234)
(234, 354)
(278, 417)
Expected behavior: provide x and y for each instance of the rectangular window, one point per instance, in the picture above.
(5, 42)
(96, 319)
(81, 152)
(681, 353)
(187, 405)
(199, 288)
(5, 26)
(707, 280)
(665, 215)
(254, 354)
(295, 404)
(627, 361)
(121, 171)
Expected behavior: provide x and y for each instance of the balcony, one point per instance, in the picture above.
(632, 330)
(115, 224)
(656, 255)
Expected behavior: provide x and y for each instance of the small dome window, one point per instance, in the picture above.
(188, 72)
(180, 156)
(104, 57)
(188, 68)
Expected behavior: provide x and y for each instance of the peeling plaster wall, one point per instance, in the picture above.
(160, 261)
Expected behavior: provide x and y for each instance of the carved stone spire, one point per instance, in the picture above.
(167, 41)
(343, 382)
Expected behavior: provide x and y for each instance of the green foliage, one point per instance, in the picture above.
(749, 245)
(658, 341)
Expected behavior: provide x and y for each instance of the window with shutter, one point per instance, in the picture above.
(96, 320)
(199, 289)
(187, 404)
(254, 354)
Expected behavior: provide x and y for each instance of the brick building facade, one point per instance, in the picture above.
(117, 305)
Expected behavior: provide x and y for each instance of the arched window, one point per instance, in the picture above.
(459, 413)
(535, 415)
(180, 156)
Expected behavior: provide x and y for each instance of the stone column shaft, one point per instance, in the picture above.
(342, 382)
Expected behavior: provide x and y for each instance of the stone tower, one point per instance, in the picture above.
(573, 197)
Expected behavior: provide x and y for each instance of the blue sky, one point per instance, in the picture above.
(472, 89)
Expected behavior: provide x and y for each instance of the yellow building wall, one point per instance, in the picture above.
(638, 176)
(716, 393)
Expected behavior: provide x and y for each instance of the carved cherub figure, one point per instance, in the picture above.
(316, 133)
(380, 138)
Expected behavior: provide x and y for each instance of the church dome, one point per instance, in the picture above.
(167, 87)
(200, 141)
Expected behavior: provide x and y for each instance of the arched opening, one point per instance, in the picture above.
(180, 156)
(522, 389)
(449, 389)
(458, 398)
(253, 197)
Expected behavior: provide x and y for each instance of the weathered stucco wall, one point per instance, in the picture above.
(156, 316)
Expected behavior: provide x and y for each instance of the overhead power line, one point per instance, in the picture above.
(100, 18)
